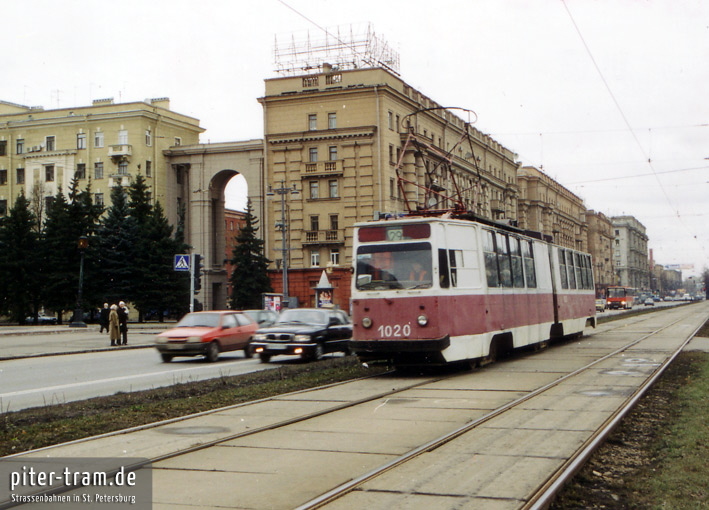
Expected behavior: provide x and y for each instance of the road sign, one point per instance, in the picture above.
(182, 263)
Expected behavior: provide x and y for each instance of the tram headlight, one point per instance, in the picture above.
(366, 322)
(422, 320)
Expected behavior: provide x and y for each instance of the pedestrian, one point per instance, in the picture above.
(103, 317)
(114, 332)
(123, 321)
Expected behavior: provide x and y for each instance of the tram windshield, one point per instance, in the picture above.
(617, 292)
(395, 266)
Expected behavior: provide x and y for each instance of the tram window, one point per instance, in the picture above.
(589, 268)
(562, 270)
(570, 269)
(529, 271)
(580, 274)
(503, 260)
(491, 270)
(443, 268)
(394, 266)
(456, 261)
(517, 272)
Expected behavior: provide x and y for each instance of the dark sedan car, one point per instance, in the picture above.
(306, 332)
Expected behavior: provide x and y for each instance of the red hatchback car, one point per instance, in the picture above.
(207, 334)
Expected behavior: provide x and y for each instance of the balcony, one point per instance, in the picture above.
(323, 237)
(120, 152)
(323, 168)
(123, 180)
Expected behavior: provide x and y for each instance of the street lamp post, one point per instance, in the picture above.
(78, 321)
(283, 227)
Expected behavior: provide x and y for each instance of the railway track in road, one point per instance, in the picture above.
(506, 436)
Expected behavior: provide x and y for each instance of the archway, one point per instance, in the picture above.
(206, 170)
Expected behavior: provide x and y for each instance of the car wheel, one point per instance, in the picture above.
(167, 358)
(248, 353)
(265, 358)
(212, 352)
(317, 354)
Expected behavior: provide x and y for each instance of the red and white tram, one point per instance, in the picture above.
(437, 290)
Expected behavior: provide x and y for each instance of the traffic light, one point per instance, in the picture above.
(197, 272)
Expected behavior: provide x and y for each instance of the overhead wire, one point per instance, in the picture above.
(626, 121)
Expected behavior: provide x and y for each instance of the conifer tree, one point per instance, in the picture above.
(117, 239)
(19, 260)
(250, 276)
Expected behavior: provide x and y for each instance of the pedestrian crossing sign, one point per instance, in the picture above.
(182, 263)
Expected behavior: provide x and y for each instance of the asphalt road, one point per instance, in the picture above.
(33, 379)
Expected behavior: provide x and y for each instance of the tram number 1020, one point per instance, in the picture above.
(394, 331)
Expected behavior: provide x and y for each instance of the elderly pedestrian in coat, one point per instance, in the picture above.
(114, 332)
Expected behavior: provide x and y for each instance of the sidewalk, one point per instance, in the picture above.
(33, 341)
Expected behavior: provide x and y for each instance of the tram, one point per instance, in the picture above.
(620, 298)
(438, 290)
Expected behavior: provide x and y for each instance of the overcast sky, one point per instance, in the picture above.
(606, 96)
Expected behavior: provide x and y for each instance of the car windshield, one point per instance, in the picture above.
(197, 320)
(395, 266)
(302, 316)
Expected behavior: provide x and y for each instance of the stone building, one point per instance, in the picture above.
(106, 144)
(630, 253)
(548, 207)
(600, 246)
(351, 145)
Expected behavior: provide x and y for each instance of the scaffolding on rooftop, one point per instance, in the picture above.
(340, 48)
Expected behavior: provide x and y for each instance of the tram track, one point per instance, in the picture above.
(355, 482)
(542, 499)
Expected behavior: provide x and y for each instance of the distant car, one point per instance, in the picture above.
(600, 305)
(307, 332)
(649, 302)
(41, 320)
(207, 334)
(264, 318)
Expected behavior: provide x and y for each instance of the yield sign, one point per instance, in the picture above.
(182, 263)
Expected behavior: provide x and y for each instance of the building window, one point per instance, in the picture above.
(391, 120)
(314, 190)
(331, 120)
(50, 143)
(313, 154)
(335, 256)
(314, 258)
(48, 203)
(80, 171)
(81, 141)
(98, 139)
(178, 141)
(49, 173)
(312, 122)
(397, 123)
(123, 168)
(149, 168)
(334, 222)
(3, 177)
(332, 153)
(20, 176)
(98, 199)
(391, 155)
(123, 137)
(3, 148)
(332, 188)
(315, 222)
(148, 138)
(20, 146)
(3, 207)
(98, 170)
